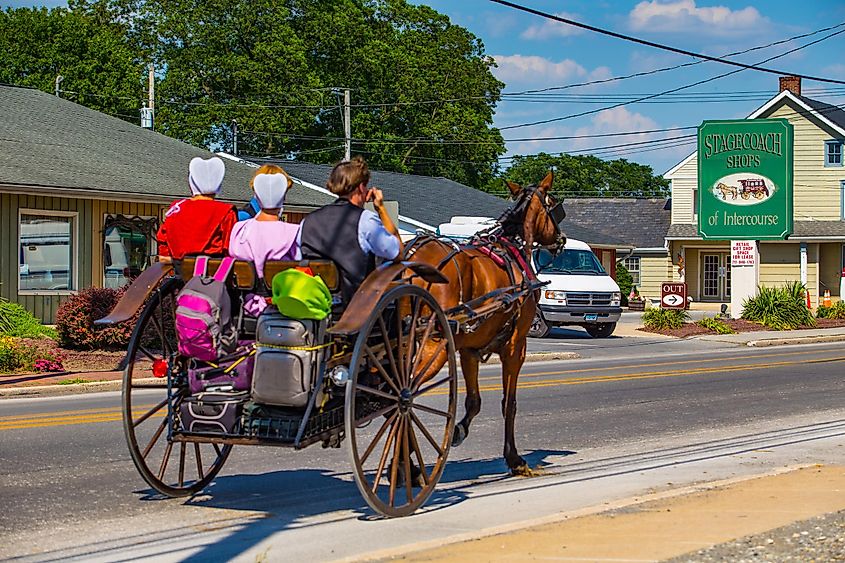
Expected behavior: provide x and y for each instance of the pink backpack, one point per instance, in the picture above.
(204, 324)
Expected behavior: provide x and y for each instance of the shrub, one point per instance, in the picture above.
(835, 311)
(75, 321)
(17, 354)
(659, 319)
(624, 281)
(716, 325)
(779, 308)
(15, 320)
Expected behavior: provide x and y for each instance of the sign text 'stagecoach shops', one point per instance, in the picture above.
(745, 179)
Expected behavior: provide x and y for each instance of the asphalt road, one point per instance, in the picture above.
(70, 490)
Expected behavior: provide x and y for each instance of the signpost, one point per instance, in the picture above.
(745, 179)
(673, 295)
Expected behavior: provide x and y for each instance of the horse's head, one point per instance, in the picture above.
(535, 214)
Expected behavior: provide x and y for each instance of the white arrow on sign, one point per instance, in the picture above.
(673, 299)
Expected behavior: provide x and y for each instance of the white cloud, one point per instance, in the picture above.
(684, 15)
(836, 70)
(534, 70)
(552, 28)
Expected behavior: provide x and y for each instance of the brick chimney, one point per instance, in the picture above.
(791, 83)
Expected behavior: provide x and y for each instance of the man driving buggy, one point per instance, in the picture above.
(346, 233)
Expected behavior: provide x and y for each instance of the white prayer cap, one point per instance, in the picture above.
(270, 189)
(206, 176)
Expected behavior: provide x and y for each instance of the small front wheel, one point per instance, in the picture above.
(401, 400)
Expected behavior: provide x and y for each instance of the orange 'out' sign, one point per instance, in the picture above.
(673, 295)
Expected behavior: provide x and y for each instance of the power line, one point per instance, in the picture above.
(660, 45)
(698, 83)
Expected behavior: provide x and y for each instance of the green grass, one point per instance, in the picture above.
(660, 319)
(74, 381)
(16, 321)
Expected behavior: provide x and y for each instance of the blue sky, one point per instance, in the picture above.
(534, 53)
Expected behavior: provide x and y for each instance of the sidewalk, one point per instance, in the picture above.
(681, 524)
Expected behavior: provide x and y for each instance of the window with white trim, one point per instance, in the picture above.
(632, 264)
(833, 153)
(46, 252)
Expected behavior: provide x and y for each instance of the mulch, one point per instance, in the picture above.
(91, 365)
(738, 325)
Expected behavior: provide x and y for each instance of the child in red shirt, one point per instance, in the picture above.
(199, 225)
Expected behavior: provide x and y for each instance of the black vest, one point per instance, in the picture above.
(331, 233)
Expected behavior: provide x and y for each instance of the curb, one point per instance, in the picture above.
(116, 384)
(796, 340)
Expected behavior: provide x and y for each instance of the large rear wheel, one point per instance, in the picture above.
(172, 468)
(400, 404)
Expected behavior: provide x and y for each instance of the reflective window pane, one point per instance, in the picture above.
(46, 253)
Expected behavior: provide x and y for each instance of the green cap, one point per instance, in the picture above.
(301, 296)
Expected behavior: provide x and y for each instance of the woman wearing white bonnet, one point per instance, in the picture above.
(265, 236)
(199, 224)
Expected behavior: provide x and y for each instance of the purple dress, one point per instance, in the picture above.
(260, 241)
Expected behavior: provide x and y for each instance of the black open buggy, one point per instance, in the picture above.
(364, 386)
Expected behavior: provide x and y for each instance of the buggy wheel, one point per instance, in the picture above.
(400, 405)
(172, 468)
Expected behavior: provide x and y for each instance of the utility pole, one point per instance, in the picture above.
(152, 93)
(347, 125)
(235, 137)
(59, 79)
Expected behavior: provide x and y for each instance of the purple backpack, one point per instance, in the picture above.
(204, 314)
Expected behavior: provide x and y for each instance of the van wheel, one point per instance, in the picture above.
(601, 330)
(539, 327)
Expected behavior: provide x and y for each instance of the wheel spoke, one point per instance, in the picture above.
(217, 448)
(429, 325)
(147, 353)
(164, 460)
(426, 433)
(387, 346)
(400, 357)
(381, 412)
(384, 374)
(406, 461)
(415, 444)
(182, 449)
(394, 465)
(437, 351)
(376, 392)
(149, 413)
(377, 438)
(383, 460)
(200, 472)
(412, 338)
(428, 388)
(432, 410)
(155, 438)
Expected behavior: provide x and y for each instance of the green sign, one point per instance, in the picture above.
(745, 179)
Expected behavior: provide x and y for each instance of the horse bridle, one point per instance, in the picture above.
(516, 213)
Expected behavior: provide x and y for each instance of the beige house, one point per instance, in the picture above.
(813, 253)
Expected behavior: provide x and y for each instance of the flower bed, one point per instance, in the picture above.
(738, 325)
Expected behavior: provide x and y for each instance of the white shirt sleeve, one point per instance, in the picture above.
(374, 238)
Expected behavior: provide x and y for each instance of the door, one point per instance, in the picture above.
(716, 276)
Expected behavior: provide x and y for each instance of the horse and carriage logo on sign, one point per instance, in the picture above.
(743, 189)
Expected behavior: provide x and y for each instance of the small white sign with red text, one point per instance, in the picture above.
(743, 253)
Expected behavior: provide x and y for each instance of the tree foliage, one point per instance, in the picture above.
(587, 176)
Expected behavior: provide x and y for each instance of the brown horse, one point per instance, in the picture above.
(474, 272)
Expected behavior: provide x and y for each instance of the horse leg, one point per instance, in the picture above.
(512, 356)
(469, 367)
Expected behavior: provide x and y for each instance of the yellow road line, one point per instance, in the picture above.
(89, 416)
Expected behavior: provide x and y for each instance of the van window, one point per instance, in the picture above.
(570, 261)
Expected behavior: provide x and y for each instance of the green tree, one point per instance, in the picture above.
(88, 48)
(585, 176)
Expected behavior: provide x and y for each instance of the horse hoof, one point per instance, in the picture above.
(459, 436)
(525, 471)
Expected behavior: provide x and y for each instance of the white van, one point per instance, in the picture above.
(580, 292)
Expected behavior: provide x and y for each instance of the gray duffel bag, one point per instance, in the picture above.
(287, 360)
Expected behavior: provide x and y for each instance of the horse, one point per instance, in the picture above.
(727, 190)
(496, 259)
